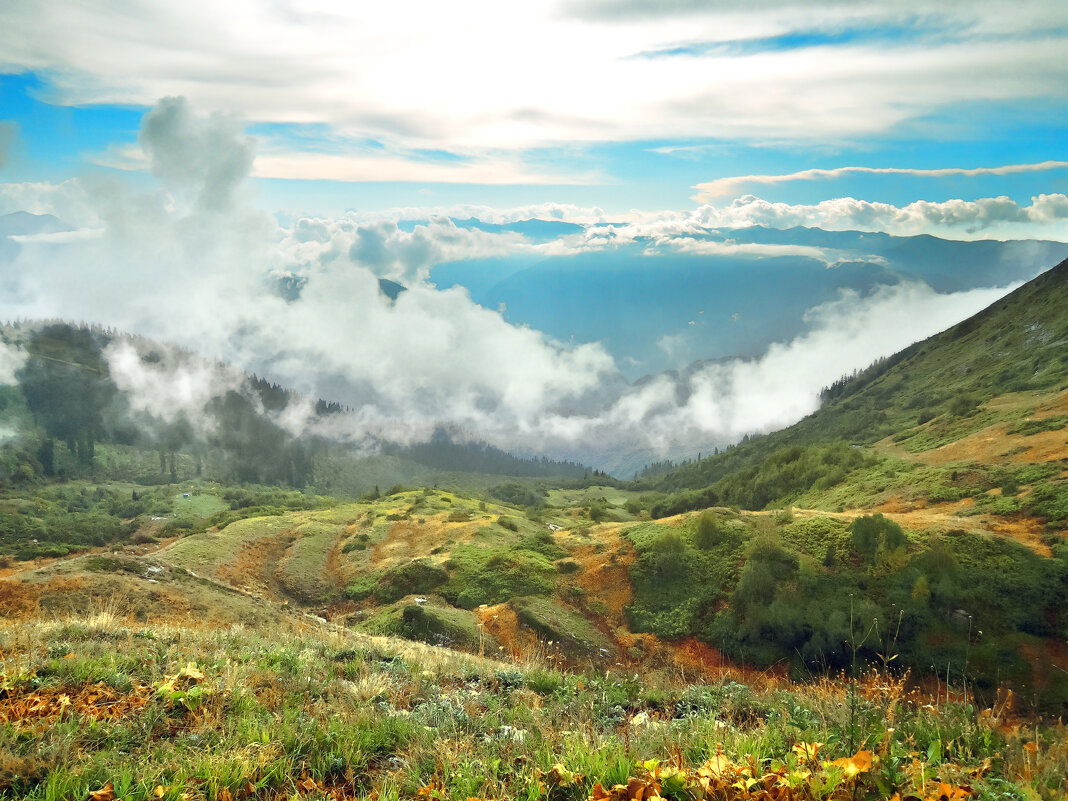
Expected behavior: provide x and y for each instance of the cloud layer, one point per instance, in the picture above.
(192, 262)
(733, 186)
(392, 82)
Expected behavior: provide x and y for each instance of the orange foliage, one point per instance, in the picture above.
(98, 701)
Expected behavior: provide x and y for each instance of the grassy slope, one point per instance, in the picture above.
(768, 589)
(99, 704)
(1019, 343)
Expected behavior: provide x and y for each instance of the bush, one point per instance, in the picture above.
(420, 576)
(962, 405)
(872, 531)
(668, 552)
(708, 533)
(517, 494)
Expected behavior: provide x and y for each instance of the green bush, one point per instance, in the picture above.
(708, 533)
(962, 405)
(518, 494)
(419, 576)
(871, 532)
(668, 553)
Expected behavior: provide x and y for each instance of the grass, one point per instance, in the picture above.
(204, 553)
(197, 505)
(573, 634)
(172, 712)
(301, 570)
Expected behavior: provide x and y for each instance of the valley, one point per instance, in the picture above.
(901, 552)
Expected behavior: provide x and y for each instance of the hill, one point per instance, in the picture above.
(1003, 365)
(104, 707)
(898, 530)
(85, 402)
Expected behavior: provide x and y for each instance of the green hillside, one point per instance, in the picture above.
(928, 395)
(912, 531)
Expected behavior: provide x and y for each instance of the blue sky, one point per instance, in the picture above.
(596, 104)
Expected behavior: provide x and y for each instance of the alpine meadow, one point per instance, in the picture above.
(576, 400)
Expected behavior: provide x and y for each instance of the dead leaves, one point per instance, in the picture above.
(947, 792)
(853, 766)
(803, 776)
(22, 706)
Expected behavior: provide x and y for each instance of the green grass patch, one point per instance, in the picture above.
(573, 634)
(1029, 428)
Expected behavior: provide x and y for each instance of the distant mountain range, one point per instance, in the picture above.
(655, 308)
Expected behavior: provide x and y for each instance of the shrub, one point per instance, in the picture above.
(708, 533)
(871, 532)
(668, 552)
(962, 405)
(420, 576)
(517, 494)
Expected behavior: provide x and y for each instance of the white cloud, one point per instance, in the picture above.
(11, 360)
(985, 218)
(734, 185)
(849, 333)
(829, 256)
(58, 237)
(70, 200)
(348, 167)
(192, 263)
(477, 78)
(174, 386)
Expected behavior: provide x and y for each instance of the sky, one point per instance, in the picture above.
(616, 104)
(198, 156)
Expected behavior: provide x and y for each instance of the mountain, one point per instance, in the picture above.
(23, 223)
(713, 301)
(932, 391)
(915, 521)
(91, 403)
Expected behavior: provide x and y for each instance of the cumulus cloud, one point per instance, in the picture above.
(71, 200)
(208, 157)
(409, 255)
(782, 386)
(193, 263)
(171, 386)
(985, 218)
